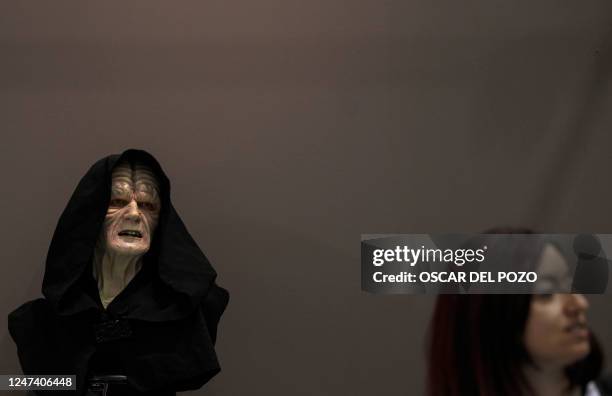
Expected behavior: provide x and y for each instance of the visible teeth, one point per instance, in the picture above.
(131, 233)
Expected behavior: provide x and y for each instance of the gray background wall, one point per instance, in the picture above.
(289, 128)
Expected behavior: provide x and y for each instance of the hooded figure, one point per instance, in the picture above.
(128, 291)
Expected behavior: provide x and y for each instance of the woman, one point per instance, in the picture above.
(502, 345)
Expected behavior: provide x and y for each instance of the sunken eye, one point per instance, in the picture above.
(147, 206)
(118, 203)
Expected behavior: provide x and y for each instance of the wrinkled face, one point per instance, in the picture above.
(133, 210)
(556, 334)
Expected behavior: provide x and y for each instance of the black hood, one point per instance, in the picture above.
(159, 331)
(182, 275)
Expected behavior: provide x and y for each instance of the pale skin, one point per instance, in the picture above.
(129, 224)
(556, 335)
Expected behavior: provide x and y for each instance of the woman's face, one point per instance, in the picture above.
(556, 334)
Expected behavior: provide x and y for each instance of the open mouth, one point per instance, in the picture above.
(578, 329)
(131, 233)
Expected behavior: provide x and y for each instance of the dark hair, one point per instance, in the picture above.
(476, 345)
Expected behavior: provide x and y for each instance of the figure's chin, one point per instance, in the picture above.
(128, 249)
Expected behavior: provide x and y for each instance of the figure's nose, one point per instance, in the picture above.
(132, 213)
(576, 304)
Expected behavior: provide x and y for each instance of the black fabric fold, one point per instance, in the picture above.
(166, 318)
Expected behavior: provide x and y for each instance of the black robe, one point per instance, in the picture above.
(159, 331)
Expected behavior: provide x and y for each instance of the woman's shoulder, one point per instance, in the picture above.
(601, 387)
